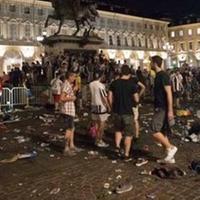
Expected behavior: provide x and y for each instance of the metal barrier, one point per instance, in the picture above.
(6, 97)
(20, 96)
(14, 97)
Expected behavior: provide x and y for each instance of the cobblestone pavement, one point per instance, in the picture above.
(52, 176)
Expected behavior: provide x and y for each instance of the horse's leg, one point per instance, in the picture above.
(47, 21)
(48, 18)
(60, 26)
(77, 27)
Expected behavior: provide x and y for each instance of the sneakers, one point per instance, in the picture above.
(101, 144)
(169, 159)
(141, 161)
(124, 188)
(119, 151)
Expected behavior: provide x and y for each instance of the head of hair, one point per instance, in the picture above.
(68, 74)
(125, 70)
(157, 60)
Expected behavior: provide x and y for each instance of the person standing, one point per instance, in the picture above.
(122, 94)
(56, 85)
(100, 108)
(67, 100)
(163, 115)
(177, 87)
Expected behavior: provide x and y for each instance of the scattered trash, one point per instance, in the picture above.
(109, 192)
(19, 156)
(45, 133)
(119, 177)
(183, 113)
(20, 184)
(93, 153)
(123, 188)
(118, 170)
(114, 162)
(145, 172)
(21, 139)
(4, 138)
(55, 191)
(16, 130)
(106, 185)
(141, 162)
(52, 156)
(44, 144)
(85, 114)
(151, 196)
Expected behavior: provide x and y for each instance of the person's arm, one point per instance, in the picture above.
(110, 99)
(142, 90)
(136, 98)
(168, 91)
(65, 98)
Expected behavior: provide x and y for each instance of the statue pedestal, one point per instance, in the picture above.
(58, 43)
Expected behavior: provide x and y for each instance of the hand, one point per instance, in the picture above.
(170, 115)
(74, 98)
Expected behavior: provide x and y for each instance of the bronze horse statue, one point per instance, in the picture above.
(82, 12)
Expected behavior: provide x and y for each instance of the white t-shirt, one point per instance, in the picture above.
(98, 91)
(56, 85)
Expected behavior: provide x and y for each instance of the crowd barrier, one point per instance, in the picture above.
(20, 96)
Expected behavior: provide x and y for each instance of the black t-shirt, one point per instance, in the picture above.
(162, 79)
(123, 91)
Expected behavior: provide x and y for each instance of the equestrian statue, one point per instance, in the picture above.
(83, 12)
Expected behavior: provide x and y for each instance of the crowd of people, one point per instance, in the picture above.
(116, 90)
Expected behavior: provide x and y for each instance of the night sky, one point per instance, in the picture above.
(160, 8)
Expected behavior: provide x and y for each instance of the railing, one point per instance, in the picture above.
(21, 96)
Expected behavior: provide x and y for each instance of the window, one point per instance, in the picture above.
(181, 33)
(40, 12)
(190, 46)
(172, 34)
(118, 41)
(27, 31)
(133, 42)
(190, 32)
(145, 26)
(198, 31)
(26, 10)
(126, 41)
(40, 30)
(198, 45)
(182, 47)
(139, 42)
(12, 8)
(110, 40)
(13, 31)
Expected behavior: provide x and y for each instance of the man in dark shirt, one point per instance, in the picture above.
(164, 115)
(122, 92)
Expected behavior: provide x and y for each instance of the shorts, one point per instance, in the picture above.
(56, 98)
(160, 122)
(124, 124)
(68, 122)
(100, 117)
(136, 113)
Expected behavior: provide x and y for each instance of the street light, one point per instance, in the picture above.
(168, 48)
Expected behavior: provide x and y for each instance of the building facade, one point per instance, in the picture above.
(125, 37)
(185, 40)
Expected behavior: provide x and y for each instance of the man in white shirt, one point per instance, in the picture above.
(100, 107)
(56, 85)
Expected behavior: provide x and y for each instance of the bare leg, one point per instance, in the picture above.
(72, 146)
(137, 128)
(127, 144)
(101, 129)
(118, 139)
(67, 139)
(163, 140)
